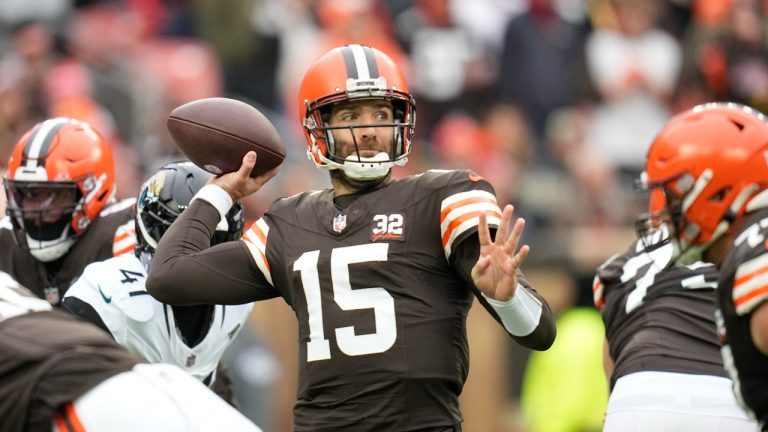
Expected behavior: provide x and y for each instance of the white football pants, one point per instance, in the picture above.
(674, 402)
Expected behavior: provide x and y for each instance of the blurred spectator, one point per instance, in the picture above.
(450, 67)
(68, 92)
(18, 110)
(542, 65)
(105, 39)
(247, 51)
(22, 70)
(734, 62)
(634, 66)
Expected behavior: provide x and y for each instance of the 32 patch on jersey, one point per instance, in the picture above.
(389, 227)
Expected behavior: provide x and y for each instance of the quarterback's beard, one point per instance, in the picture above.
(359, 186)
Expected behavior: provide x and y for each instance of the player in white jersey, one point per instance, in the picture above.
(111, 293)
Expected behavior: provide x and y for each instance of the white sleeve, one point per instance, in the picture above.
(521, 314)
(217, 197)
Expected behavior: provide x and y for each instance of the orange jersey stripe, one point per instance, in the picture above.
(750, 295)
(266, 263)
(468, 201)
(125, 250)
(124, 235)
(258, 232)
(598, 297)
(61, 425)
(68, 421)
(74, 420)
(749, 276)
(260, 235)
(461, 219)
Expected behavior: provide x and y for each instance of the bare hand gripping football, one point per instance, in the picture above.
(215, 134)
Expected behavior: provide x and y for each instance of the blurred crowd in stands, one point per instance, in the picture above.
(554, 101)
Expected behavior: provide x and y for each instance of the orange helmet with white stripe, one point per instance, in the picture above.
(60, 175)
(354, 72)
(710, 162)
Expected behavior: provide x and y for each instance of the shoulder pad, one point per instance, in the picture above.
(120, 282)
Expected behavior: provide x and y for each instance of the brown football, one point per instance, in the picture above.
(215, 134)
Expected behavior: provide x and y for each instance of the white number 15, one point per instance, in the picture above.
(376, 298)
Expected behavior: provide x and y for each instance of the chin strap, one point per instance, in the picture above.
(363, 169)
(370, 168)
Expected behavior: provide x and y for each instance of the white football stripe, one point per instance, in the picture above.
(490, 209)
(260, 260)
(37, 143)
(360, 63)
(597, 291)
(747, 287)
(122, 245)
(464, 226)
(752, 265)
(465, 195)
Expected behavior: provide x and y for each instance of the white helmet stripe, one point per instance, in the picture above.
(361, 64)
(39, 142)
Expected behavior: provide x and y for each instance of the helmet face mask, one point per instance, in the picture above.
(355, 73)
(165, 195)
(60, 176)
(708, 162)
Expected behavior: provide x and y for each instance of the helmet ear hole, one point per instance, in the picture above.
(720, 195)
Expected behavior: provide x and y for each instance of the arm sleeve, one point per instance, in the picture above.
(186, 270)
(542, 337)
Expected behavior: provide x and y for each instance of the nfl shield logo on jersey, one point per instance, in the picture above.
(339, 223)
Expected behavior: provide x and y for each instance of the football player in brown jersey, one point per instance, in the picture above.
(665, 367)
(380, 273)
(711, 164)
(62, 374)
(61, 211)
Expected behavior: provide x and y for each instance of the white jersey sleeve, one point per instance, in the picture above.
(116, 290)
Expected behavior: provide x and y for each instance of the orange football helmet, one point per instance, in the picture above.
(709, 162)
(354, 72)
(60, 175)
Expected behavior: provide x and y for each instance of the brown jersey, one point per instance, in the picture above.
(109, 235)
(658, 317)
(742, 289)
(49, 358)
(380, 298)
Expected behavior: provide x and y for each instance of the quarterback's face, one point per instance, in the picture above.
(367, 127)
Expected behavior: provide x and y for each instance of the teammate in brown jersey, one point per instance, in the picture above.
(710, 163)
(62, 374)
(666, 370)
(380, 273)
(61, 209)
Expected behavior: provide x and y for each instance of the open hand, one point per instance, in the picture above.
(495, 273)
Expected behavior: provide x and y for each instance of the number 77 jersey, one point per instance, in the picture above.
(381, 310)
(658, 316)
